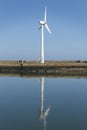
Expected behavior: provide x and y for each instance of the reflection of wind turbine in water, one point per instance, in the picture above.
(43, 114)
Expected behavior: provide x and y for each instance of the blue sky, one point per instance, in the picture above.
(20, 37)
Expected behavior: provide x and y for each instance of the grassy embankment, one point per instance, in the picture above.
(49, 68)
(47, 63)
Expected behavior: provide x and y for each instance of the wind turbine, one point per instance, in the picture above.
(42, 25)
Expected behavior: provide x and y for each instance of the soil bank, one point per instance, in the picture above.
(48, 68)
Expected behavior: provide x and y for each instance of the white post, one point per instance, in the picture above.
(42, 45)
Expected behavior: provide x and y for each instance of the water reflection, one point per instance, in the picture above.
(21, 97)
(43, 112)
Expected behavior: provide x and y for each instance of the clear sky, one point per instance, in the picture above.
(20, 37)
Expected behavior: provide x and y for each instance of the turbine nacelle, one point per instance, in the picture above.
(42, 22)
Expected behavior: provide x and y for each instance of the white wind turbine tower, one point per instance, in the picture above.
(42, 25)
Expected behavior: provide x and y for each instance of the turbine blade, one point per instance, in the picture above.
(47, 28)
(45, 16)
(39, 28)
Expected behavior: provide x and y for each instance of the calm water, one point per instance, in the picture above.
(43, 103)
